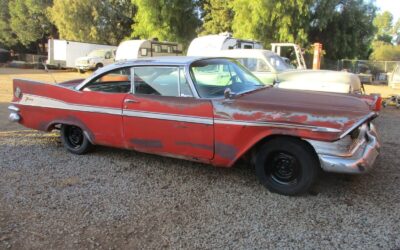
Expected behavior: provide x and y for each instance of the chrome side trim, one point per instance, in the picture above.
(170, 117)
(14, 117)
(276, 124)
(357, 124)
(45, 102)
(13, 108)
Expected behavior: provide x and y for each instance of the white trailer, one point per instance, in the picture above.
(63, 53)
(134, 49)
(211, 44)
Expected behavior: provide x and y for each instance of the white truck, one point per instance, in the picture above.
(95, 59)
(210, 44)
(63, 53)
(134, 49)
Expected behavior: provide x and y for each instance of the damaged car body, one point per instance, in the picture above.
(210, 110)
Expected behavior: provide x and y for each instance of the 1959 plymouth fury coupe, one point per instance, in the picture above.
(211, 110)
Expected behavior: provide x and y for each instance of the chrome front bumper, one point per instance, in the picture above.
(14, 116)
(359, 161)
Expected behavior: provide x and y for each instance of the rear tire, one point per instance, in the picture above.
(74, 140)
(286, 166)
(81, 71)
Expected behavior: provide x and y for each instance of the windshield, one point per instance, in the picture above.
(277, 62)
(213, 76)
(97, 53)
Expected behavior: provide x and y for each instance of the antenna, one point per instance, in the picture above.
(47, 70)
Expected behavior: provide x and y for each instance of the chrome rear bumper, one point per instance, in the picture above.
(14, 116)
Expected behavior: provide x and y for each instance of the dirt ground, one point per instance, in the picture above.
(118, 199)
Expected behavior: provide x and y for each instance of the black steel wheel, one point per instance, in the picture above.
(74, 140)
(286, 166)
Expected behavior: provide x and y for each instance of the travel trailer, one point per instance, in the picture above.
(134, 49)
(208, 45)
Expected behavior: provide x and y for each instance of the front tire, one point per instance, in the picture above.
(74, 140)
(286, 166)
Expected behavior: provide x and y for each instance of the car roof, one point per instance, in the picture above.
(244, 53)
(151, 61)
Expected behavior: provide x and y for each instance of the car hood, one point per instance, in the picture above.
(335, 112)
(317, 75)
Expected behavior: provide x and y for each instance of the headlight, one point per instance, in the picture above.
(355, 133)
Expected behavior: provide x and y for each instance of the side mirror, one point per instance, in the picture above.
(228, 93)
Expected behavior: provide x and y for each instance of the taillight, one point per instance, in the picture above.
(378, 104)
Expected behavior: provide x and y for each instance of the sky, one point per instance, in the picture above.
(393, 6)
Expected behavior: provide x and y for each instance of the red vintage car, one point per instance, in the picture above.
(210, 110)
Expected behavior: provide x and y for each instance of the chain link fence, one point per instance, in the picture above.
(376, 71)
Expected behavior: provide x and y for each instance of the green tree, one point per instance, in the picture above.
(385, 52)
(105, 21)
(7, 37)
(383, 23)
(218, 16)
(344, 27)
(29, 22)
(272, 21)
(384, 27)
(171, 20)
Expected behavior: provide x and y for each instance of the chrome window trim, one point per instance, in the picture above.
(191, 83)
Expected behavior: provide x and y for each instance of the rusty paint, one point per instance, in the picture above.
(225, 151)
(195, 145)
(147, 143)
(190, 140)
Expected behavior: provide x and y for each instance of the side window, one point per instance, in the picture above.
(157, 48)
(156, 81)
(116, 81)
(143, 52)
(254, 64)
(184, 85)
(169, 49)
(108, 55)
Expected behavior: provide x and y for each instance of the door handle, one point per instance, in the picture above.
(130, 101)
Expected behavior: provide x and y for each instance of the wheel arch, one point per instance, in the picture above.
(56, 124)
(250, 152)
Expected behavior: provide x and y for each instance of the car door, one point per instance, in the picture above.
(103, 99)
(162, 116)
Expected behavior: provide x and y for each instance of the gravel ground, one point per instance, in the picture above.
(118, 199)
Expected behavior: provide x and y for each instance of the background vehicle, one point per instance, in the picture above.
(208, 45)
(95, 59)
(63, 53)
(134, 49)
(272, 69)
